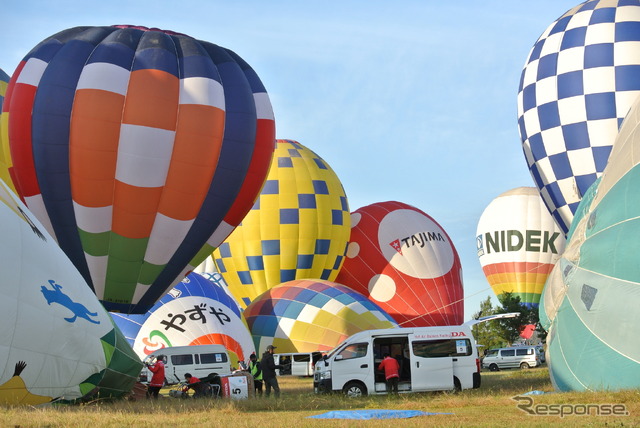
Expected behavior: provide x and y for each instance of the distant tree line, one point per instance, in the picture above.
(505, 332)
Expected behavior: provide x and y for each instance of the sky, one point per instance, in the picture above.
(411, 101)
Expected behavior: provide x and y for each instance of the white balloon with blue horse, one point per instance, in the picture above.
(57, 342)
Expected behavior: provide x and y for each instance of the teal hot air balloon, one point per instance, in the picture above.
(590, 302)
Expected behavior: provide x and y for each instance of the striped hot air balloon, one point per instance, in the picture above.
(518, 244)
(139, 149)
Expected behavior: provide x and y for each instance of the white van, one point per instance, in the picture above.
(431, 359)
(297, 364)
(200, 360)
(513, 357)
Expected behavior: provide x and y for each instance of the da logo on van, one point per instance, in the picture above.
(458, 334)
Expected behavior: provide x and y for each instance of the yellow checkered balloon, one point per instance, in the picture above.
(298, 228)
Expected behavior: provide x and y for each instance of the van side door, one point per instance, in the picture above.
(508, 358)
(431, 364)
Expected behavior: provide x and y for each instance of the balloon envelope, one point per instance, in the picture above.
(518, 244)
(402, 259)
(578, 84)
(311, 315)
(196, 311)
(298, 228)
(57, 342)
(590, 301)
(5, 155)
(139, 149)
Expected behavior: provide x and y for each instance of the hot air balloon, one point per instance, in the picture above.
(578, 84)
(589, 305)
(298, 228)
(196, 311)
(57, 341)
(5, 156)
(403, 260)
(139, 149)
(518, 244)
(307, 315)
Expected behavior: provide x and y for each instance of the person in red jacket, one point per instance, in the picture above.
(157, 380)
(200, 389)
(391, 369)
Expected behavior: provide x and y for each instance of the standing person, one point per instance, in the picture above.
(391, 369)
(256, 372)
(157, 380)
(269, 367)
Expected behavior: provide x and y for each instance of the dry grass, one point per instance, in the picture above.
(491, 405)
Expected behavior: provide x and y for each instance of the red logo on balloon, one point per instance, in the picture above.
(396, 246)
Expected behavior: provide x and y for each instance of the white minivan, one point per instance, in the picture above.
(202, 361)
(297, 364)
(513, 357)
(431, 359)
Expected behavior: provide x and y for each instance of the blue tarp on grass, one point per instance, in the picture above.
(374, 414)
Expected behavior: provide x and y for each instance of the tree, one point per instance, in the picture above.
(485, 333)
(510, 328)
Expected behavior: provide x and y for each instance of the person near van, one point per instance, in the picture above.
(256, 372)
(391, 372)
(268, 367)
(157, 380)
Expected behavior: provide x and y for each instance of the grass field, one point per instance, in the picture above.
(491, 405)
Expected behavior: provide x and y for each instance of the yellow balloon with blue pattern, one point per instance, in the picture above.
(298, 228)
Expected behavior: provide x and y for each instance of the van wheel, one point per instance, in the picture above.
(456, 385)
(524, 366)
(354, 389)
(493, 367)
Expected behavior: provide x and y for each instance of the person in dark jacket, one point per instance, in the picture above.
(268, 366)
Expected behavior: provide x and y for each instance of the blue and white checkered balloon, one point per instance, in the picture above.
(579, 81)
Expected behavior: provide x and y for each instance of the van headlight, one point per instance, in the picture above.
(325, 375)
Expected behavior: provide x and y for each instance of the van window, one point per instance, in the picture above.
(356, 350)
(302, 358)
(522, 352)
(181, 360)
(508, 352)
(442, 348)
(492, 353)
(213, 358)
